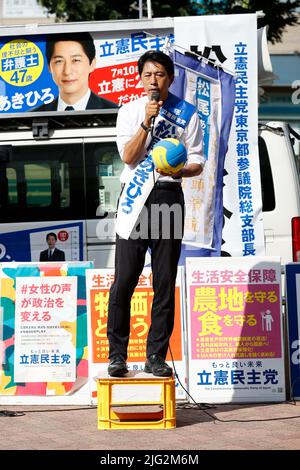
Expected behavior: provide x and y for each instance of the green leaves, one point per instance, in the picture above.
(97, 10)
(278, 14)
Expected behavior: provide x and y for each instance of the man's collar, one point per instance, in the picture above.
(78, 106)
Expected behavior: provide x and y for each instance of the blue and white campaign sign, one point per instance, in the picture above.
(211, 90)
(25, 81)
(230, 42)
(26, 241)
(292, 271)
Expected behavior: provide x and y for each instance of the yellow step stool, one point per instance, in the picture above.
(136, 401)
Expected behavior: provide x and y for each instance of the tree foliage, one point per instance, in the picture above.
(96, 10)
(278, 14)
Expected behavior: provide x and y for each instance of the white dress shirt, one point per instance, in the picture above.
(129, 120)
(78, 106)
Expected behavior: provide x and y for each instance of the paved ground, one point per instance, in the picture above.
(243, 427)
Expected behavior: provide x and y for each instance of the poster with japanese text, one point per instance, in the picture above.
(26, 241)
(45, 310)
(116, 75)
(292, 278)
(44, 335)
(212, 92)
(98, 284)
(32, 79)
(235, 336)
(229, 42)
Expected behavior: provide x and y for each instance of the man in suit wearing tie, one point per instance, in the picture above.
(52, 253)
(71, 59)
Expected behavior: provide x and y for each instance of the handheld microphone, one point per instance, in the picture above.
(155, 96)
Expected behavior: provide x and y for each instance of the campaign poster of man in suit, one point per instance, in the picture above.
(52, 253)
(71, 60)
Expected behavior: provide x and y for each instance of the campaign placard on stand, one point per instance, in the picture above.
(44, 354)
(292, 279)
(235, 336)
(45, 309)
(99, 282)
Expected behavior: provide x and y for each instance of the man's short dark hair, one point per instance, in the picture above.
(85, 39)
(51, 234)
(160, 58)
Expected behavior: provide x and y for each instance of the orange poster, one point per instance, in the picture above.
(99, 282)
(141, 304)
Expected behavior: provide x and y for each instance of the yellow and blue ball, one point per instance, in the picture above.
(169, 155)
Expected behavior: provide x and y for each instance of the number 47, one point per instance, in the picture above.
(16, 76)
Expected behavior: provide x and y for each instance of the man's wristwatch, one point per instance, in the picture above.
(147, 129)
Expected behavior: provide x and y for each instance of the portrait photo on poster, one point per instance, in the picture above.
(71, 58)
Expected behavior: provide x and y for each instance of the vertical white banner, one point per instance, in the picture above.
(231, 42)
(45, 310)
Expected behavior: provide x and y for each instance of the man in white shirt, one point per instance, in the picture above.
(71, 60)
(136, 134)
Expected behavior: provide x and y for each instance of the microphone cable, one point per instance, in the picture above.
(205, 406)
(201, 406)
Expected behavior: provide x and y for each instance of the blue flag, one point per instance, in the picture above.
(212, 91)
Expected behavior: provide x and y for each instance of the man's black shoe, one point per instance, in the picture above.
(117, 367)
(156, 365)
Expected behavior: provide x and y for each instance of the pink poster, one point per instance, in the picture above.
(233, 321)
(235, 336)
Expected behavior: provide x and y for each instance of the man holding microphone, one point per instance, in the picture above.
(140, 124)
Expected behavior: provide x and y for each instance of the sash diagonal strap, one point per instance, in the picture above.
(174, 117)
(134, 196)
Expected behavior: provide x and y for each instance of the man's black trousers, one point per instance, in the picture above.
(129, 262)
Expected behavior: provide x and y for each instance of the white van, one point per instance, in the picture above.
(60, 174)
(280, 190)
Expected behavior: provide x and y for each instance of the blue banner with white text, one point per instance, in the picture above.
(211, 90)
